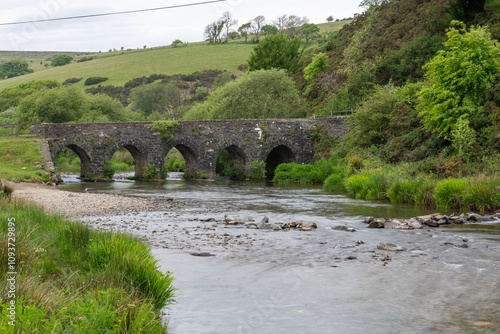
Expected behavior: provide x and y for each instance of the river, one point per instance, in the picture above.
(324, 281)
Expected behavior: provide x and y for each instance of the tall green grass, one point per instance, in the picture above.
(73, 279)
(21, 160)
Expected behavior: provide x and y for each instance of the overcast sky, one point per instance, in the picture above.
(135, 30)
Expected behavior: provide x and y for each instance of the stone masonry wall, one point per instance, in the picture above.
(200, 142)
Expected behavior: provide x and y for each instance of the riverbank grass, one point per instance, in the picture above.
(73, 279)
(21, 160)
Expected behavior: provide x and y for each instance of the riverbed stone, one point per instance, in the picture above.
(442, 222)
(264, 220)
(415, 223)
(202, 254)
(377, 223)
(368, 220)
(389, 246)
(344, 228)
(312, 225)
(247, 219)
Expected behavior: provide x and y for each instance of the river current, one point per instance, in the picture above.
(447, 280)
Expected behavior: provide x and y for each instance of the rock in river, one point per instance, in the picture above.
(388, 246)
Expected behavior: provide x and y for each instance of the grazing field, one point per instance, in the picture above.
(122, 66)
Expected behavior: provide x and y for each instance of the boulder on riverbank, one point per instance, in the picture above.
(433, 220)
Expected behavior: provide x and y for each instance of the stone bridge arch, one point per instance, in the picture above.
(240, 158)
(190, 152)
(137, 149)
(280, 152)
(84, 154)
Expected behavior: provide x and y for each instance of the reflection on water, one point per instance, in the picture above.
(432, 287)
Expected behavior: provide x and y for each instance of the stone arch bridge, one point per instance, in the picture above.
(200, 142)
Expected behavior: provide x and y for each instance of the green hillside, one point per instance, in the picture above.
(120, 67)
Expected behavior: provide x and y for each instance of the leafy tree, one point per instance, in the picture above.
(58, 105)
(257, 23)
(177, 42)
(233, 35)
(309, 31)
(293, 24)
(229, 21)
(103, 108)
(244, 29)
(368, 4)
(165, 99)
(276, 52)
(213, 31)
(329, 19)
(457, 79)
(11, 97)
(280, 23)
(317, 65)
(14, 68)
(269, 30)
(256, 95)
(61, 60)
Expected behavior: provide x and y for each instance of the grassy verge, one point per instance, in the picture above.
(72, 279)
(402, 183)
(21, 160)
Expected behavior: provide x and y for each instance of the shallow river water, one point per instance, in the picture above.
(324, 281)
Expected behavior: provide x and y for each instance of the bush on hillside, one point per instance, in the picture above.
(94, 80)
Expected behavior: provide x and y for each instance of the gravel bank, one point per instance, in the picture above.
(86, 204)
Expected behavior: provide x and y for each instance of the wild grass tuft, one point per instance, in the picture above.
(448, 193)
(73, 279)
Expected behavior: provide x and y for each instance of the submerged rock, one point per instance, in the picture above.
(388, 246)
(202, 254)
(344, 228)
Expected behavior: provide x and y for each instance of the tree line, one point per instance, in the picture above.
(291, 26)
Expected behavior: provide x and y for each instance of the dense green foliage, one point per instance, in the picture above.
(61, 60)
(276, 51)
(165, 128)
(11, 97)
(75, 279)
(14, 68)
(255, 95)
(68, 104)
(458, 78)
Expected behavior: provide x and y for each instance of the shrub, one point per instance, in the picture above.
(83, 59)
(108, 170)
(448, 193)
(61, 60)
(71, 81)
(296, 173)
(258, 169)
(94, 80)
(335, 182)
(165, 128)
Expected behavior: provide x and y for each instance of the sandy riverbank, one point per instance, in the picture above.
(74, 205)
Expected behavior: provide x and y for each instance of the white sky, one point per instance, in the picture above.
(135, 30)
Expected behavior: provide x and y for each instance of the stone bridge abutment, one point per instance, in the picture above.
(273, 141)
